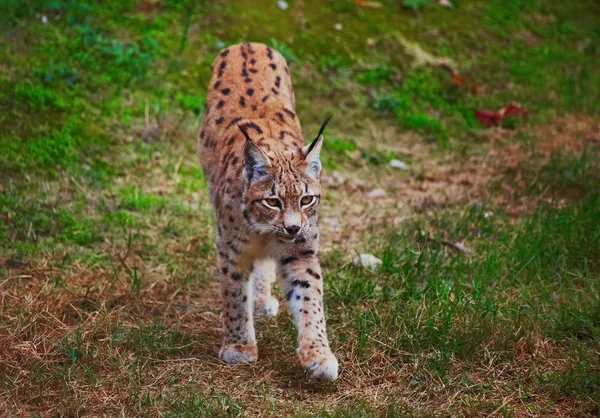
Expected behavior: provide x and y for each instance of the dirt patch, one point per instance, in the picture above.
(498, 172)
(570, 133)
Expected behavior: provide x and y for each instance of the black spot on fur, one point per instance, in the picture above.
(253, 107)
(301, 283)
(264, 99)
(224, 53)
(217, 84)
(234, 249)
(234, 161)
(313, 273)
(242, 101)
(224, 270)
(219, 121)
(233, 122)
(289, 112)
(307, 252)
(253, 61)
(246, 216)
(273, 66)
(289, 294)
(253, 70)
(250, 92)
(221, 68)
(269, 53)
(220, 104)
(279, 115)
(275, 92)
(277, 81)
(288, 260)
(236, 276)
(225, 91)
(251, 125)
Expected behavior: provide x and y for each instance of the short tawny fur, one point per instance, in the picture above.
(264, 186)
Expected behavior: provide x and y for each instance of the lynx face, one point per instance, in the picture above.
(281, 199)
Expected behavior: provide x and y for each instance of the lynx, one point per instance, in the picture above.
(264, 186)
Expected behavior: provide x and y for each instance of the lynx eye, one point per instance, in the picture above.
(272, 202)
(307, 200)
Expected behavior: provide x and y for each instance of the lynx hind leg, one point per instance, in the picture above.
(263, 276)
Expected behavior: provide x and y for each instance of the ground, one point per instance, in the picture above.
(487, 298)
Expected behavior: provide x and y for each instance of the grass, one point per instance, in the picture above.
(486, 301)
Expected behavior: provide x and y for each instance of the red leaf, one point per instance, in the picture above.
(457, 79)
(512, 109)
(489, 117)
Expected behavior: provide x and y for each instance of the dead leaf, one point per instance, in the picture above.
(376, 194)
(368, 261)
(459, 246)
(422, 57)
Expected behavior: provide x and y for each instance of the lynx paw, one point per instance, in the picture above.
(266, 307)
(239, 353)
(320, 367)
(325, 370)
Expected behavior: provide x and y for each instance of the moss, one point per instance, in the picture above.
(29, 221)
(37, 97)
(132, 197)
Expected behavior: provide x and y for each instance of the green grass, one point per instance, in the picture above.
(107, 233)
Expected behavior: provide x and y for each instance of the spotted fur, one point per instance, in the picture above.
(264, 186)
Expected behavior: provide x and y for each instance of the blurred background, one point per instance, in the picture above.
(463, 154)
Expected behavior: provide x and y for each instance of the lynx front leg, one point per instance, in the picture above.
(239, 340)
(263, 276)
(302, 284)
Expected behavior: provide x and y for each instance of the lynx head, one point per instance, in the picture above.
(282, 192)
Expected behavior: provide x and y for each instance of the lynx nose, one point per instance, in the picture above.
(293, 229)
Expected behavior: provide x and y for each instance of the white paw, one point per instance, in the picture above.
(266, 307)
(239, 353)
(325, 370)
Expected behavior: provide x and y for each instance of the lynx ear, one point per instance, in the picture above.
(255, 161)
(311, 152)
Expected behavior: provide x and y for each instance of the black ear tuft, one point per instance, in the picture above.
(312, 145)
